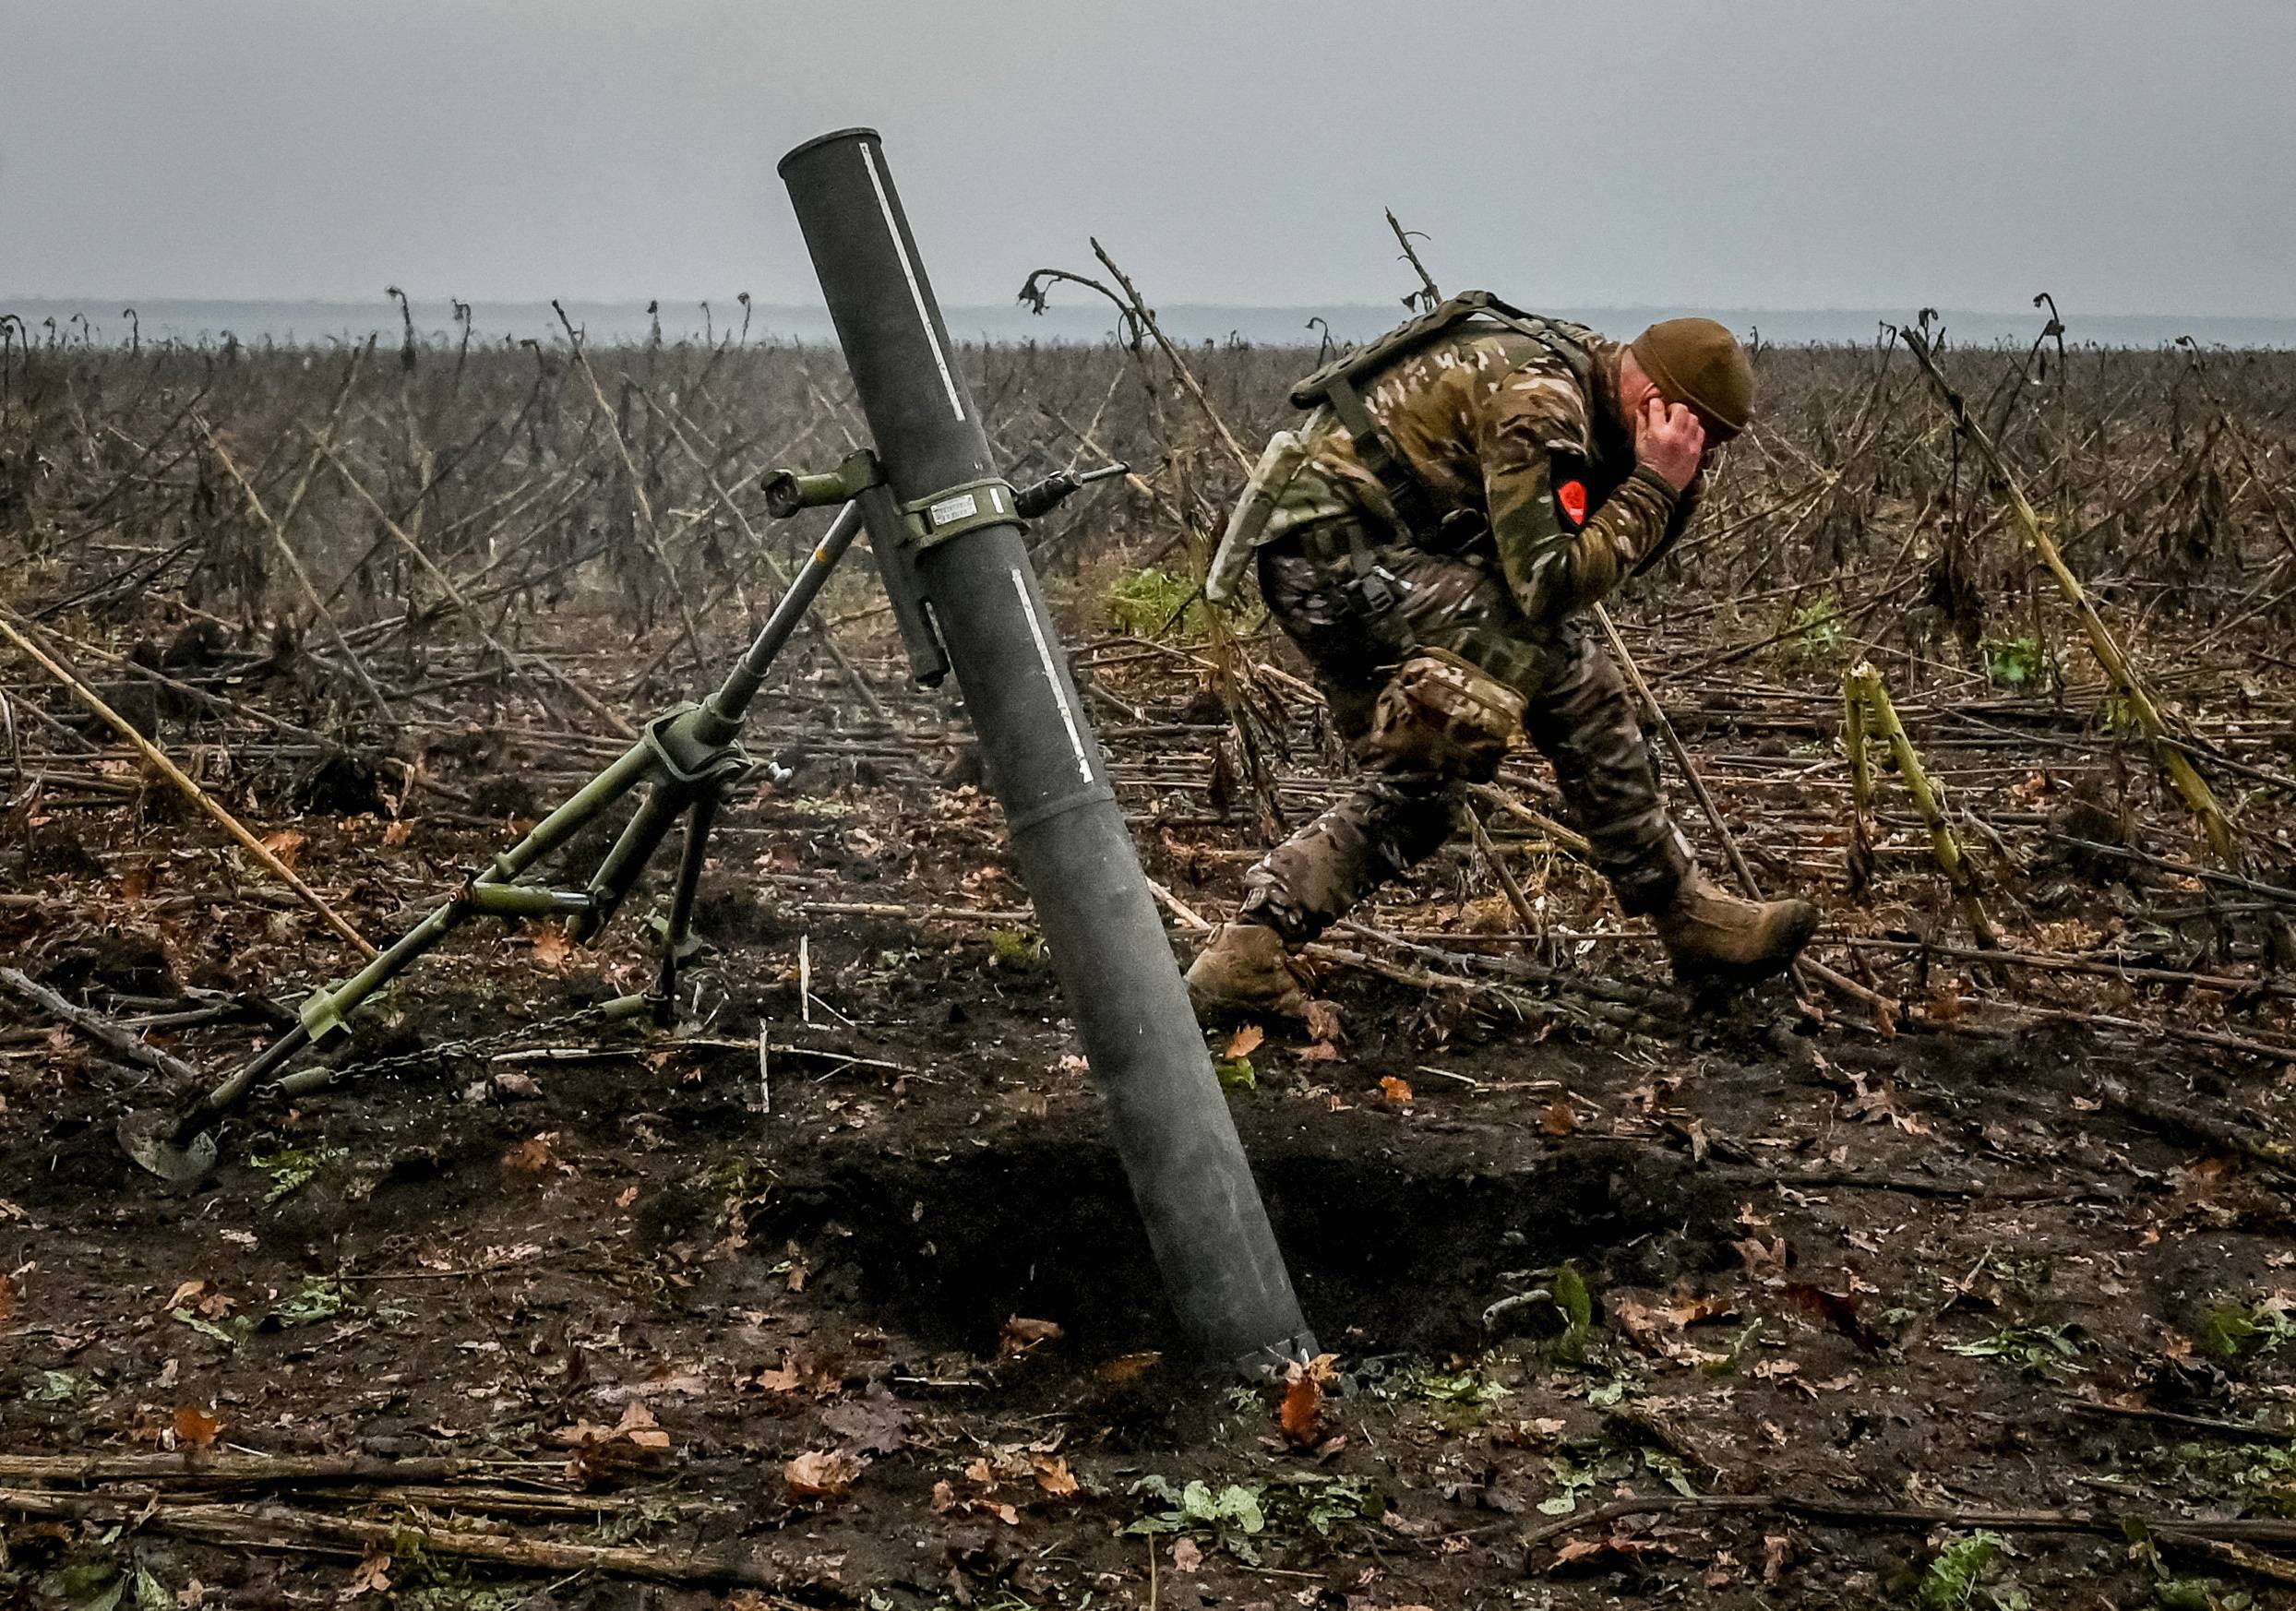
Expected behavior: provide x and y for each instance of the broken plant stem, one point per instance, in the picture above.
(294, 568)
(1842, 982)
(1864, 695)
(191, 791)
(1187, 380)
(2126, 681)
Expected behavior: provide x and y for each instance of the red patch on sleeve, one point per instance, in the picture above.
(1571, 496)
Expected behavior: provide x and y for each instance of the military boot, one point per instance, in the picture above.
(1713, 935)
(1244, 968)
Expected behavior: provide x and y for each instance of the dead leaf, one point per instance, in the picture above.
(638, 1427)
(1559, 1117)
(1838, 1311)
(1187, 1557)
(821, 1473)
(533, 1155)
(371, 1577)
(286, 845)
(8, 1297)
(1244, 1042)
(1128, 1367)
(1323, 1027)
(874, 1425)
(196, 1427)
(1021, 1334)
(1638, 1322)
(1696, 1311)
(1880, 1106)
(1053, 1475)
(1759, 1259)
(398, 833)
(1301, 1416)
(1393, 1091)
(552, 947)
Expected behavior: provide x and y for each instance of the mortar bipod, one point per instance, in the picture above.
(686, 759)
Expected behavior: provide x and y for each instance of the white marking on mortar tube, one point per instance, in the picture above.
(908, 272)
(1052, 675)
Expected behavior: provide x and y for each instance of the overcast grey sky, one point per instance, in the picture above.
(2130, 156)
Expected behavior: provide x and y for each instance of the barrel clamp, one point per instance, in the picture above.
(926, 523)
(967, 507)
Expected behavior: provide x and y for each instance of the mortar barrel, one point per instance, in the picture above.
(1206, 1224)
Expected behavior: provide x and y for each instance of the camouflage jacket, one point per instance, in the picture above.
(1516, 457)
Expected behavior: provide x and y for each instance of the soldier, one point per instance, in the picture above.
(1463, 491)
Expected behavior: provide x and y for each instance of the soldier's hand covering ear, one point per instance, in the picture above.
(1669, 438)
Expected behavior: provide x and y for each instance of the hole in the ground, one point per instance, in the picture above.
(1390, 1252)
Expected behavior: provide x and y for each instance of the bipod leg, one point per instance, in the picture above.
(181, 1147)
(679, 941)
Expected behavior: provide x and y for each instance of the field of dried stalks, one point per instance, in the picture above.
(1953, 1273)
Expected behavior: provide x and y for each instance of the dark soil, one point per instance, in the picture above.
(1824, 1262)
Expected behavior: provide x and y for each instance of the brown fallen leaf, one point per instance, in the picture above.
(782, 1379)
(1640, 1323)
(371, 1577)
(533, 1155)
(1759, 1259)
(638, 1427)
(398, 833)
(1054, 1476)
(1021, 1334)
(1697, 1311)
(1187, 1556)
(1559, 1117)
(552, 947)
(286, 845)
(1839, 1312)
(1393, 1091)
(1301, 1415)
(1323, 1024)
(1244, 1042)
(1128, 1367)
(877, 1424)
(196, 1427)
(821, 1473)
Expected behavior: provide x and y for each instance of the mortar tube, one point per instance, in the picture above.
(1206, 1221)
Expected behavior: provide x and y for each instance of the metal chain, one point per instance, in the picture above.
(479, 1046)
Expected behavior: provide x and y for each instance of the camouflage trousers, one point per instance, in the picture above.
(1583, 720)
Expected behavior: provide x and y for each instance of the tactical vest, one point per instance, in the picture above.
(1338, 385)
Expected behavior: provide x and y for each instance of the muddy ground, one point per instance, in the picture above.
(1913, 1313)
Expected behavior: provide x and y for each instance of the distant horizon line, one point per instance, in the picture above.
(1831, 308)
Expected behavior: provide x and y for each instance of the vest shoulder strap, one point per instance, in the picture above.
(1572, 344)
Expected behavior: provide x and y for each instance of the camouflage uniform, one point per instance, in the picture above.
(1543, 511)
